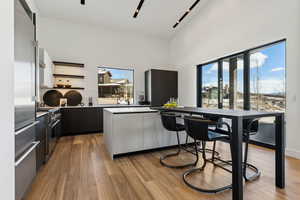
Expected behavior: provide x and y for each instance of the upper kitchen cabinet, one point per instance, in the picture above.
(46, 69)
(160, 86)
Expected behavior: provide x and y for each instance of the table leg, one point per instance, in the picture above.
(237, 156)
(280, 151)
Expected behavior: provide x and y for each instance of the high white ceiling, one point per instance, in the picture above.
(156, 16)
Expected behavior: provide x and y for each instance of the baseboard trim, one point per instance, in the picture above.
(263, 144)
(151, 150)
(293, 153)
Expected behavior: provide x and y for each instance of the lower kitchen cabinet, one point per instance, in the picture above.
(41, 135)
(81, 120)
(129, 138)
(132, 132)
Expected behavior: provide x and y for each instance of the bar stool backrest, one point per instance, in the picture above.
(197, 128)
(250, 126)
(169, 121)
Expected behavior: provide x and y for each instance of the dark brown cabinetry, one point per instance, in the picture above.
(81, 120)
(41, 135)
(160, 86)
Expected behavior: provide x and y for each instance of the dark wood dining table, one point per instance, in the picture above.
(237, 117)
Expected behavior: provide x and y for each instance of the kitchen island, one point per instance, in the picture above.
(128, 130)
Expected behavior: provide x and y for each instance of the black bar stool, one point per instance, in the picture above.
(169, 123)
(250, 128)
(198, 129)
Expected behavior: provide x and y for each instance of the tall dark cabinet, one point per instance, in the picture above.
(160, 86)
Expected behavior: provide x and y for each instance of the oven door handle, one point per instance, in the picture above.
(55, 123)
(27, 153)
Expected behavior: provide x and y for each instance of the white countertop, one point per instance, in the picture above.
(129, 110)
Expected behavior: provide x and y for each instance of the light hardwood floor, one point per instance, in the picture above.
(80, 169)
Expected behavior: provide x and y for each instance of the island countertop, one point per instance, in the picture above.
(130, 110)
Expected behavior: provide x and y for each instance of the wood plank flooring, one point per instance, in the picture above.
(80, 169)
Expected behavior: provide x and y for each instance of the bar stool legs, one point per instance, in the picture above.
(200, 169)
(200, 150)
(256, 172)
(246, 165)
(162, 159)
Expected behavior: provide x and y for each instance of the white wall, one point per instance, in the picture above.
(7, 101)
(223, 27)
(98, 46)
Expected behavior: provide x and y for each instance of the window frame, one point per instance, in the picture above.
(246, 55)
(119, 68)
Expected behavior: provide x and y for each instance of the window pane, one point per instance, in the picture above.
(210, 85)
(233, 83)
(240, 82)
(115, 86)
(225, 89)
(267, 78)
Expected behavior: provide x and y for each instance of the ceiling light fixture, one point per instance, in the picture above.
(82, 2)
(138, 9)
(186, 13)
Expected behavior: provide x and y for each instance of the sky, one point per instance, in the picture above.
(120, 73)
(267, 68)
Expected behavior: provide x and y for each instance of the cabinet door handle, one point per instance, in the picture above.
(26, 153)
(26, 128)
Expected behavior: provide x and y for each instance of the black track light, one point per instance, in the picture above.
(138, 9)
(186, 13)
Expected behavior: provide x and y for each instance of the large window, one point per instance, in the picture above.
(267, 78)
(115, 86)
(233, 82)
(253, 79)
(210, 85)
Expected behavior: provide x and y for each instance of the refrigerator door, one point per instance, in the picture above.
(24, 68)
(25, 171)
(24, 138)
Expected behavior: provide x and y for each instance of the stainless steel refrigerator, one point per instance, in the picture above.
(24, 66)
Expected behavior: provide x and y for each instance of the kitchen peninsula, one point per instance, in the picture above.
(128, 130)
